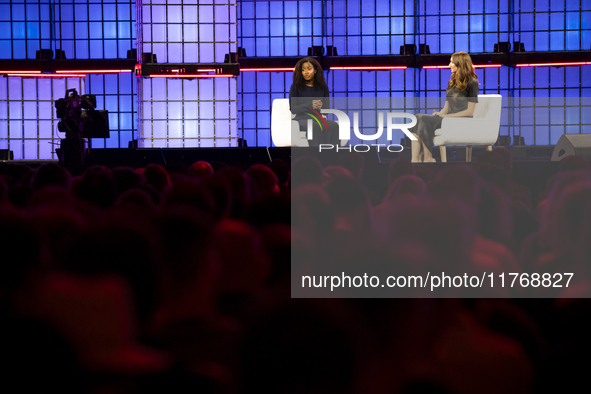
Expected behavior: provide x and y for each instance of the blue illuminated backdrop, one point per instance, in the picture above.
(96, 29)
(380, 27)
(188, 113)
(28, 123)
(177, 113)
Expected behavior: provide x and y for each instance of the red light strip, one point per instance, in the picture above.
(369, 68)
(269, 69)
(206, 70)
(552, 64)
(194, 76)
(20, 72)
(45, 75)
(474, 65)
(92, 71)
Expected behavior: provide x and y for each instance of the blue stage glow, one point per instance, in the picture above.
(204, 33)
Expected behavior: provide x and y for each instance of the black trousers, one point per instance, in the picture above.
(330, 136)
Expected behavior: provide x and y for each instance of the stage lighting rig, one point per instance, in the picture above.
(79, 120)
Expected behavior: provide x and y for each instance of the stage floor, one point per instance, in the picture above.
(140, 157)
(531, 165)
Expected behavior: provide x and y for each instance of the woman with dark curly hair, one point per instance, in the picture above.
(307, 96)
(461, 98)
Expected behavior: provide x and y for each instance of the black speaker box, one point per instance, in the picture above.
(331, 50)
(316, 50)
(502, 47)
(45, 54)
(424, 49)
(6, 154)
(572, 144)
(408, 49)
(149, 57)
(60, 54)
(231, 57)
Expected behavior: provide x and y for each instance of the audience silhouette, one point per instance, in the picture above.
(161, 279)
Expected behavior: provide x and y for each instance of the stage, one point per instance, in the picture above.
(532, 166)
(246, 156)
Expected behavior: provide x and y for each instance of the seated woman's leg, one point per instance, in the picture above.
(422, 130)
(332, 135)
(415, 149)
(427, 155)
(317, 137)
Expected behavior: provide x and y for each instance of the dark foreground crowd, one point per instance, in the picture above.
(179, 280)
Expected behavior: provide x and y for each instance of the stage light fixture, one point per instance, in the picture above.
(241, 52)
(132, 54)
(172, 70)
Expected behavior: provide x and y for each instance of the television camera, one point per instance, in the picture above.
(79, 120)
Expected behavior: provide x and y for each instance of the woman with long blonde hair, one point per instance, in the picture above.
(461, 98)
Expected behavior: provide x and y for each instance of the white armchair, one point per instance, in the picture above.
(481, 129)
(284, 130)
